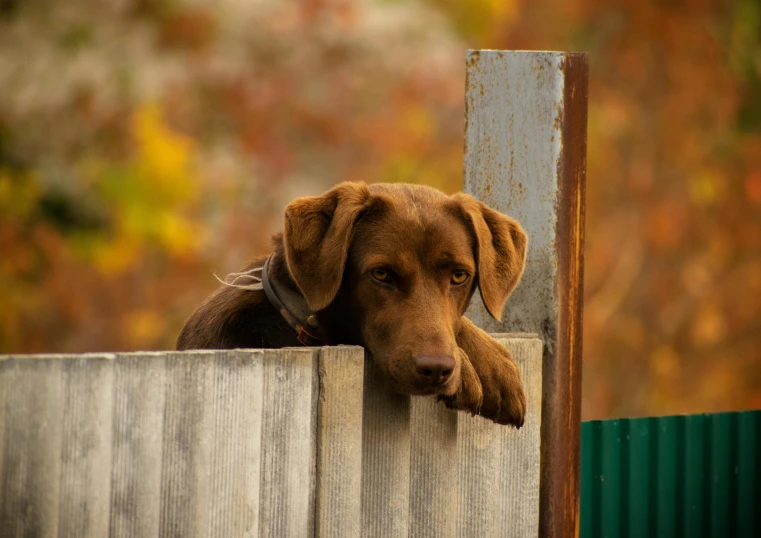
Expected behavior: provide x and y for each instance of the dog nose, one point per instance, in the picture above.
(434, 369)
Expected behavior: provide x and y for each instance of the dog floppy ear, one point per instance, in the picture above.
(316, 238)
(501, 252)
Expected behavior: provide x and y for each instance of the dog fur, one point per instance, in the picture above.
(422, 243)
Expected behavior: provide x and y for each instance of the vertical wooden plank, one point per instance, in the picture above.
(385, 459)
(9, 457)
(5, 380)
(525, 155)
(499, 469)
(339, 442)
(235, 402)
(186, 450)
(30, 482)
(519, 487)
(479, 444)
(138, 423)
(433, 469)
(289, 443)
(210, 471)
(88, 383)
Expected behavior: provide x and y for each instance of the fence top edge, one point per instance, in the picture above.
(108, 356)
(514, 336)
(209, 352)
(524, 53)
(671, 420)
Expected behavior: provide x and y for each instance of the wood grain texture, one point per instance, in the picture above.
(289, 443)
(385, 459)
(30, 468)
(294, 442)
(430, 472)
(138, 423)
(211, 430)
(525, 156)
(185, 448)
(87, 398)
(499, 466)
(339, 442)
(520, 450)
(234, 429)
(478, 451)
(433, 469)
(144, 444)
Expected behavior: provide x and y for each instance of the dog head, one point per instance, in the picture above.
(395, 267)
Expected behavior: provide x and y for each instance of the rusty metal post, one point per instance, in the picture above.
(525, 155)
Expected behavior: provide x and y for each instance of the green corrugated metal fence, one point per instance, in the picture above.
(681, 476)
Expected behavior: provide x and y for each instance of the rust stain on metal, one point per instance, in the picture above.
(473, 58)
(467, 107)
(561, 412)
(558, 123)
(512, 171)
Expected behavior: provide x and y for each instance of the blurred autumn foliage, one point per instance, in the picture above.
(145, 144)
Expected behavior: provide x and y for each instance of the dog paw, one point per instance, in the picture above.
(494, 391)
(504, 400)
(469, 396)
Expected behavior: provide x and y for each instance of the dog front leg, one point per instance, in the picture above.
(499, 382)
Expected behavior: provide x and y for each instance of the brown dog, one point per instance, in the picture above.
(391, 268)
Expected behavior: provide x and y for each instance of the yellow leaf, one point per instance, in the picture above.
(163, 156)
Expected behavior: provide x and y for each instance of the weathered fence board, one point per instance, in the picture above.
(139, 400)
(386, 458)
(433, 453)
(236, 398)
(525, 155)
(519, 466)
(86, 446)
(478, 452)
(499, 467)
(294, 442)
(288, 442)
(31, 447)
(339, 443)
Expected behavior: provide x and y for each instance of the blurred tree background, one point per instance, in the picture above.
(145, 144)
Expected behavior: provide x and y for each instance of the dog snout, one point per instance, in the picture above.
(434, 369)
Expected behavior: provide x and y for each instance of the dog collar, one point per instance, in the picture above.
(293, 308)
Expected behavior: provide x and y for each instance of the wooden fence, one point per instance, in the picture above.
(281, 443)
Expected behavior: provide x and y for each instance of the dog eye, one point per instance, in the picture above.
(459, 277)
(381, 275)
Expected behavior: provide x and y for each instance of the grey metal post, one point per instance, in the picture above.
(525, 155)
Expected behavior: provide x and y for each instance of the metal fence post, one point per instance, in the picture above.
(525, 155)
